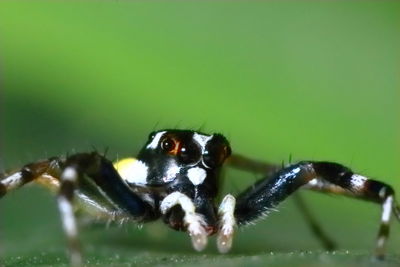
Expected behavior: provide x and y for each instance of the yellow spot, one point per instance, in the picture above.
(124, 166)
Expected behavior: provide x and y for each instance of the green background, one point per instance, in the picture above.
(310, 80)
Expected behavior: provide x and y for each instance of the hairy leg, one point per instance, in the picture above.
(88, 177)
(266, 194)
(268, 169)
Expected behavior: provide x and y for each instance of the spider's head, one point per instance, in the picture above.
(184, 160)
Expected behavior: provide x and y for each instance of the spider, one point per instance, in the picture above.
(175, 177)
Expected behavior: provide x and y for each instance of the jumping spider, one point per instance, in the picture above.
(175, 178)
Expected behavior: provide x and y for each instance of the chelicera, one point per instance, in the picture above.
(175, 177)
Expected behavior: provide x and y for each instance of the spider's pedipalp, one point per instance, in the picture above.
(194, 222)
(227, 223)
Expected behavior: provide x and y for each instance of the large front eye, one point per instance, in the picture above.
(169, 145)
(189, 153)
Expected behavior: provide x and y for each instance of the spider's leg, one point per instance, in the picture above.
(98, 186)
(251, 165)
(268, 169)
(268, 193)
(97, 173)
(47, 173)
(315, 227)
(194, 222)
(363, 188)
(91, 172)
(41, 172)
(65, 197)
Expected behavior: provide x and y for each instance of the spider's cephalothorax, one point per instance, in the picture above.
(181, 161)
(176, 177)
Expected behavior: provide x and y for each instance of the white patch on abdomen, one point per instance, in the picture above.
(196, 175)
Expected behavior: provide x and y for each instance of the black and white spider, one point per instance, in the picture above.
(175, 177)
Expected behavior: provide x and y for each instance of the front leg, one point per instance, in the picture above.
(194, 222)
(268, 170)
(266, 194)
(105, 184)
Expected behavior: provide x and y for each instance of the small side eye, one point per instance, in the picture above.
(168, 144)
(215, 154)
(152, 135)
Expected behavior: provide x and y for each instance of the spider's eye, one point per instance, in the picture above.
(152, 135)
(169, 145)
(189, 153)
(216, 152)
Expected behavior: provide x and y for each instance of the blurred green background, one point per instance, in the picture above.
(314, 80)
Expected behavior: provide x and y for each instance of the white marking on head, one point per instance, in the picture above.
(171, 173)
(136, 173)
(358, 181)
(196, 175)
(156, 140)
(202, 139)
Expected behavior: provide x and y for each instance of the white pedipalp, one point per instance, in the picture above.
(195, 222)
(226, 214)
